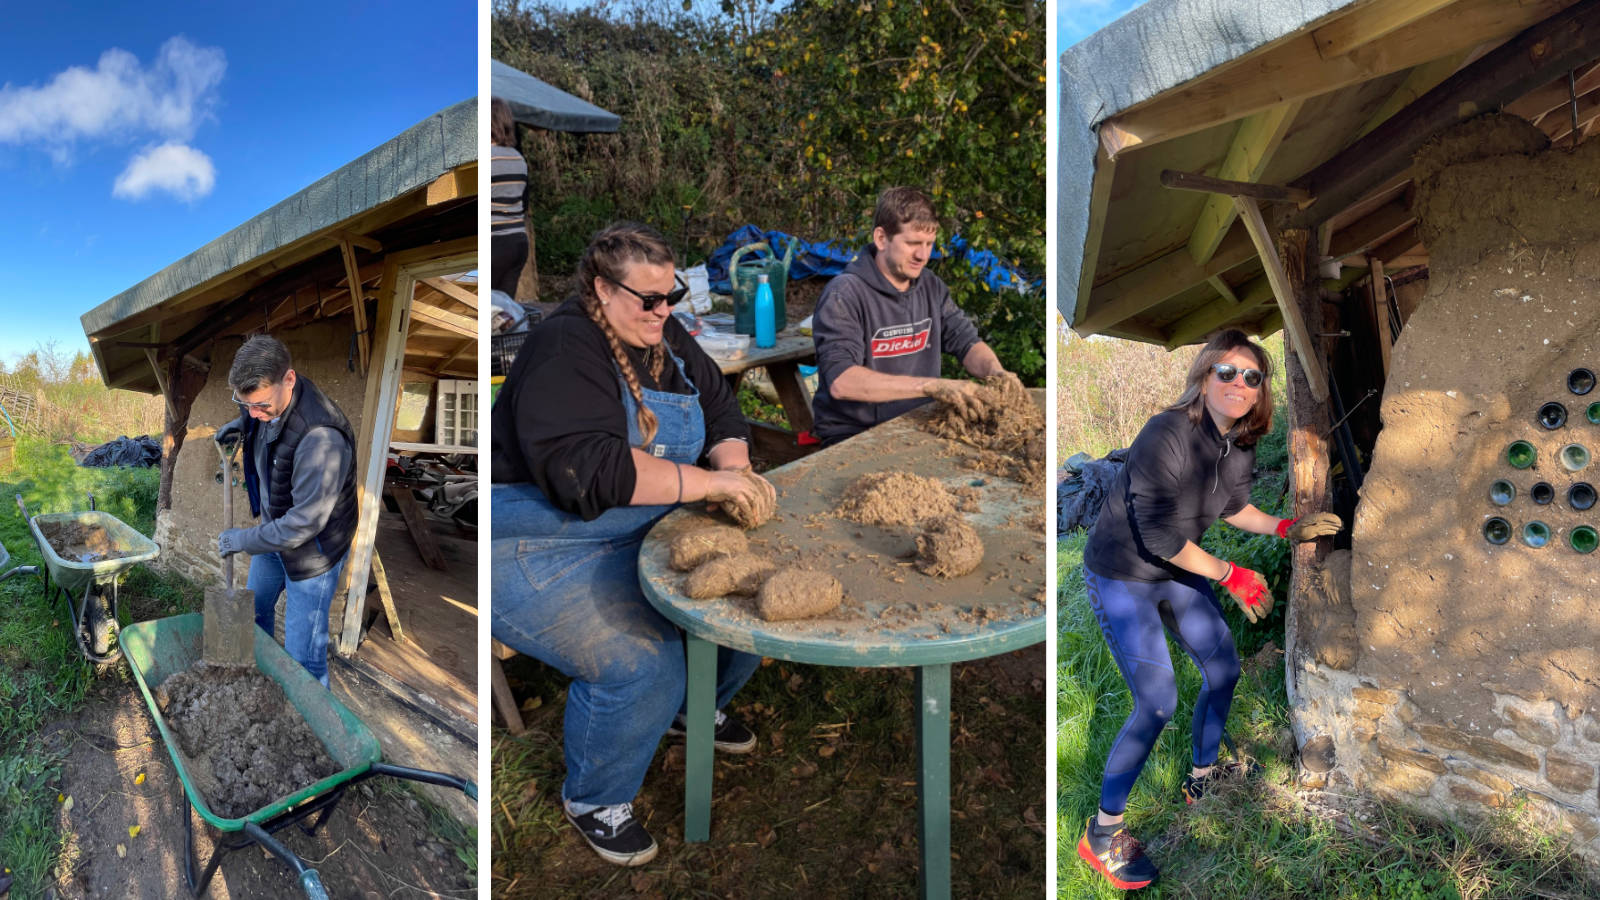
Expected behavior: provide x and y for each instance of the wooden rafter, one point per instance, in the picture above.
(1370, 230)
(1553, 95)
(1554, 45)
(1257, 139)
(1421, 80)
(453, 290)
(433, 315)
(1294, 70)
(1209, 318)
(1150, 285)
(450, 360)
(1368, 23)
(454, 184)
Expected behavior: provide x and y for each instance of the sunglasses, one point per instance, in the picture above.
(263, 405)
(651, 301)
(1226, 373)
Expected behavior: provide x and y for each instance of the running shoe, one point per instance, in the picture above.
(1117, 855)
(1195, 788)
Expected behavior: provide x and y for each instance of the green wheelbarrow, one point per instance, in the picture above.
(163, 647)
(91, 578)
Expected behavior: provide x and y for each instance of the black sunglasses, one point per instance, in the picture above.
(1225, 372)
(651, 301)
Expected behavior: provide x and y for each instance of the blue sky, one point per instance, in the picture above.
(131, 134)
(1077, 19)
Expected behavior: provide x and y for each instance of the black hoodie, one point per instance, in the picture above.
(862, 320)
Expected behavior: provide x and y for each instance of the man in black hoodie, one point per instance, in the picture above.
(881, 325)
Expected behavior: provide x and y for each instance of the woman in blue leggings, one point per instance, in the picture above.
(1147, 576)
(611, 416)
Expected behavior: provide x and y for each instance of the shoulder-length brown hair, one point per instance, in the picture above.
(1255, 423)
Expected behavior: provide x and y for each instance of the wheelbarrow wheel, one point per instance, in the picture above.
(100, 624)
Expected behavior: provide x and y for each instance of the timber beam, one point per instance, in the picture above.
(1532, 58)
(1253, 144)
(1153, 283)
(1269, 193)
(1283, 291)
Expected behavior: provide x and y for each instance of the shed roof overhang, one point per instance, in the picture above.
(289, 264)
(1327, 97)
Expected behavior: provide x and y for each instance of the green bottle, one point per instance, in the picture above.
(1502, 492)
(1536, 534)
(1583, 539)
(1497, 530)
(1520, 454)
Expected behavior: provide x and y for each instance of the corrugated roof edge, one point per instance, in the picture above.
(412, 159)
(1152, 49)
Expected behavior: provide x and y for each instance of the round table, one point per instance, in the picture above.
(892, 615)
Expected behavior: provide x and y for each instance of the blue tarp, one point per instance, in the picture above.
(828, 258)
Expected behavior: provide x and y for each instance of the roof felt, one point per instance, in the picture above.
(1155, 47)
(411, 160)
(538, 104)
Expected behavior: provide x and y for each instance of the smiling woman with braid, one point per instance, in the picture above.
(1148, 577)
(611, 416)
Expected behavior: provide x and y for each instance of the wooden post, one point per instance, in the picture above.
(1380, 311)
(358, 302)
(185, 383)
(1285, 291)
(401, 272)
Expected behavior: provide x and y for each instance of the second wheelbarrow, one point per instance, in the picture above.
(88, 582)
(161, 648)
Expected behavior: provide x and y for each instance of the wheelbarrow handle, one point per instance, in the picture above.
(311, 883)
(22, 506)
(427, 777)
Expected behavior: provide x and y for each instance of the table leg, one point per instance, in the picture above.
(933, 783)
(792, 394)
(697, 762)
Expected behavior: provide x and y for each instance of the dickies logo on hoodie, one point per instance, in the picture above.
(901, 340)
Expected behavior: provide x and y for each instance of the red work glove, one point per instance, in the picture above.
(1250, 591)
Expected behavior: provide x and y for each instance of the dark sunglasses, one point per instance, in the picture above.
(264, 405)
(1226, 373)
(651, 301)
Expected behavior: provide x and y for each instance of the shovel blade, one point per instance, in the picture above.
(230, 627)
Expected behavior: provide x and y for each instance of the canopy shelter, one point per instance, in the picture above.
(365, 274)
(1319, 104)
(539, 105)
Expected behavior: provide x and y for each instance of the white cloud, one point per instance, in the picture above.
(175, 168)
(118, 96)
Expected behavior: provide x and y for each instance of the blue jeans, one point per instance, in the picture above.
(566, 592)
(305, 612)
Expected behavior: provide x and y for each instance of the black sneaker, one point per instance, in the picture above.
(1195, 788)
(615, 834)
(1117, 855)
(730, 735)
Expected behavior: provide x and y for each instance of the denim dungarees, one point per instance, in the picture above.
(566, 592)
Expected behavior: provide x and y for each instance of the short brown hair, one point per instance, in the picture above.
(502, 127)
(902, 206)
(1255, 423)
(261, 362)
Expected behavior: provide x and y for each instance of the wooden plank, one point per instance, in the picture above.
(1223, 289)
(504, 703)
(1105, 170)
(387, 598)
(1516, 67)
(1293, 69)
(1408, 261)
(454, 322)
(1365, 24)
(1422, 79)
(449, 360)
(1153, 283)
(456, 184)
(358, 302)
(1400, 245)
(1252, 148)
(417, 526)
(400, 274)
(453, 290)
(365, 242)
(1213, 316)
(1283, 292)
(1553, 95)
(1267, 193)
(1362, 235)
(775, 443)
(1379, 295)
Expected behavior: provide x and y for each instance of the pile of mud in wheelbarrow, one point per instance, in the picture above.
(216, 720)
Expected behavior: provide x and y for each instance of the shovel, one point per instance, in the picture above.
(230, 615)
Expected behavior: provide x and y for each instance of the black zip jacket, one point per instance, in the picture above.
(1180, 477)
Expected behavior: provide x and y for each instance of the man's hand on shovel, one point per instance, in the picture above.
(230, 541)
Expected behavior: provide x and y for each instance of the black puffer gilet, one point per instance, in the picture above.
(311, 409)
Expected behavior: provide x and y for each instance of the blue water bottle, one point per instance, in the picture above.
(766, 329)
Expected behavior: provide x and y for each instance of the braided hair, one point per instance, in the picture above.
(611, 252)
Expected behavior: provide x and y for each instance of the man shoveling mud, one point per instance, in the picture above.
(881, 326)
(299, 471)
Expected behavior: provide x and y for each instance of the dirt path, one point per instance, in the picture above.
(377, 843)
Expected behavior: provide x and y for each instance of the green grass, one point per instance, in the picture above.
(1262, 839)
(42, 675)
